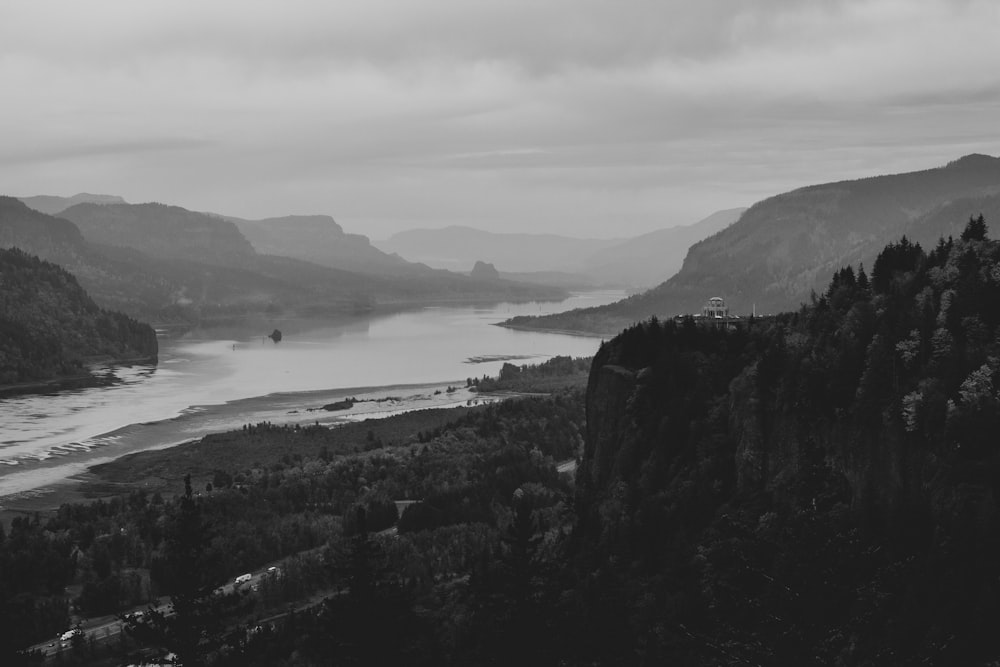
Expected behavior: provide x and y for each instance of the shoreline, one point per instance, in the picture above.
(75, 481)
(565, 332)
(83, 380)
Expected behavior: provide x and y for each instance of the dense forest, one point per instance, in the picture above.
(50, 327)
(814, 488)
(819, 489)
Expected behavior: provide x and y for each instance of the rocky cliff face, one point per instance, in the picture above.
(484, 271)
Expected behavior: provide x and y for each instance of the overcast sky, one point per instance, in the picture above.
(584, 117)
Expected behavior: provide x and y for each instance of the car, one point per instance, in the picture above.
(243, 578)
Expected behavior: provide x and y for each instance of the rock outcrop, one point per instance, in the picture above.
(484, 271)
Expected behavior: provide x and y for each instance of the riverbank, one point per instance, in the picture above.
(391, 414)
(564, 332)
(99, 373)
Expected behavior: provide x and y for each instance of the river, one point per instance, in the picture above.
(219, 378)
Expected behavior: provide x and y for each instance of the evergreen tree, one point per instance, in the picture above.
(194, 628)
(975, 229)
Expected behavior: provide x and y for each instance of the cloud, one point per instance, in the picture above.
(388, 111)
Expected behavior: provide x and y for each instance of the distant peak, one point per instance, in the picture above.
(974, 160)
(98, 198)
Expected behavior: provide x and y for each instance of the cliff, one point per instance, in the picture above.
(817, 488)
(319, 239)
(162, 232)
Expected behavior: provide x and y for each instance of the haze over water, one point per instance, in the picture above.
(216, 379)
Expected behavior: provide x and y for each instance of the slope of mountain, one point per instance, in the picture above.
(164, 263)
(319, 239)
(121, 282)
(818, 489)
(164, 232)
(53, 205)
(50, 327)
(649, 259)
(781, 248)
(457, 248)
(561, 279)
(641, 261)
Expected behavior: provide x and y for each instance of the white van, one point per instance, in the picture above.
(243, 578)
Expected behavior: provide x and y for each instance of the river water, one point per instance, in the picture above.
(215, 379)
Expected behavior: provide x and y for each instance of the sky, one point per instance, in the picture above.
(591, 118)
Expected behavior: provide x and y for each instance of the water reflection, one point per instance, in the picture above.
(226, 374)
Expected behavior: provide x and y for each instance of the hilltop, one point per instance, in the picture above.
(54, 205)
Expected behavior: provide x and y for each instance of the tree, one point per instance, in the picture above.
(194, 628)
(975, 229)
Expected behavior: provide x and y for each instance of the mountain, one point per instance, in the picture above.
(165, 263)
(781, 249)
(641, 261)
(50, 327)
(54, 205)
(817, 488)
(457, 248)
(319, 239)
(561, 279)
(649, 259)
(163, 232)
(121, 283)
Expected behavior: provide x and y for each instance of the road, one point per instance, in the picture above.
(105, 628)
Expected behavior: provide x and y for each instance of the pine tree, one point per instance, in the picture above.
(194, 627)
(975, 229)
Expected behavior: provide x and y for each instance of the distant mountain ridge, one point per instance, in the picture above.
(641, 261)
(319, 239)
(457, 247)
(786, 246)
(161, 231)
(165, 263)
(651, 258)
(53, 205)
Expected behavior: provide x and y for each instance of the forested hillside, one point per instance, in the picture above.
(785, 247)
(819, 489)
(50, 327)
